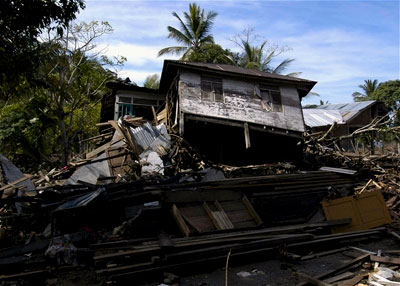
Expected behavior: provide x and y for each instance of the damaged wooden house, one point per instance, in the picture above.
(348, 116)
(230, 114)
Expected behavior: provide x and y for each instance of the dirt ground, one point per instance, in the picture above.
(280, 272)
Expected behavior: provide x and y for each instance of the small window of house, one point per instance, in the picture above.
(211, 89)
(271, 96)
(125, 109)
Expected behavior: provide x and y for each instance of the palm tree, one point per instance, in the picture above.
(260, 57)
(193, 33)
(254, 57)
(369, 87)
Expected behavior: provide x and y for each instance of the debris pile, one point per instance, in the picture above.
(146, 202)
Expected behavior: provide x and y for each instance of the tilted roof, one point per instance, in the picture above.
(341, 113)
(348, 110)
(317, 118)
(171, 66)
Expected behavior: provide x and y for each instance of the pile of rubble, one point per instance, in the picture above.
(146, 202)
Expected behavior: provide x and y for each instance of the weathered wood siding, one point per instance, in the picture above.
(240, 103)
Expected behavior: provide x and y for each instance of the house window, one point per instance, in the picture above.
(271, 97)
(211, 89)
(124, 109)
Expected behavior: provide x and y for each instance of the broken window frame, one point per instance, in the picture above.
(212, 89)
(271, 97)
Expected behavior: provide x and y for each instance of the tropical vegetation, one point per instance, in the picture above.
(193, 33)
(368, 89)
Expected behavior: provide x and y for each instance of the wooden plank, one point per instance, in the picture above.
(247, 135)
(323, 253)
(98, 150)
(312, 280)
(337, 270)
(103, 124)
(181, 222)
(251, 210)
(339, 277)
(194, 223)
(23, 275)
(12, 184)
(127, 137)
(362, 250)
(227, 222)
(353, 281)
(385, 259)
(97, 137)
(338, 170)
(154, 115)
(211, 216)
(181, 124)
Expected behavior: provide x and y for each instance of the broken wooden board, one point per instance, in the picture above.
(119, 165)
(207, 216)
(385, 259)
(367, 210)
(337, 270)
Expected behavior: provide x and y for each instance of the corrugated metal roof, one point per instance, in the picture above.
(318, 118)
(348, 110)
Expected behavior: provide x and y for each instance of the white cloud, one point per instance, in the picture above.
(137, 55)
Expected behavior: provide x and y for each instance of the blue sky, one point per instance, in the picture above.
(337, 43)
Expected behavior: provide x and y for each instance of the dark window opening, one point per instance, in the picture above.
(271, 96)
(211, 89)
(124, 109)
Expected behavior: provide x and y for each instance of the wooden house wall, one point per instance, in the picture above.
(364, 118)
(240, 103)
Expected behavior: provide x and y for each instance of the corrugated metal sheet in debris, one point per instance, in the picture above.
(151, 137)
(318, 118)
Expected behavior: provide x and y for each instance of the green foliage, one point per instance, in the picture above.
(22, 21)
(152, 81)
(389, 93)
(50, 114)
(28, 134)
(260, 57)
(193, 33)
(368, 88)
(211, 53)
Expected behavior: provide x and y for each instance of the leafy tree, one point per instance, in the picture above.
(22, 21)
(369, 87)
(152, 81)
(27, 131)
(389, 93)
(193, 33)
(260, 57)
(211, 53)
(62, 103)
(74, 77)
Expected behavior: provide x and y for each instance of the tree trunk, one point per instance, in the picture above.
(63, 137)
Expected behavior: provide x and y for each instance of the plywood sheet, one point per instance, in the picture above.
(367, 210)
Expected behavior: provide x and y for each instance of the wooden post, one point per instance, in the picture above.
(181, 124)
(372, 143)
(247, 135)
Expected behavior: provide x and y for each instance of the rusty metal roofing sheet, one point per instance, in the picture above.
(318, 118)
